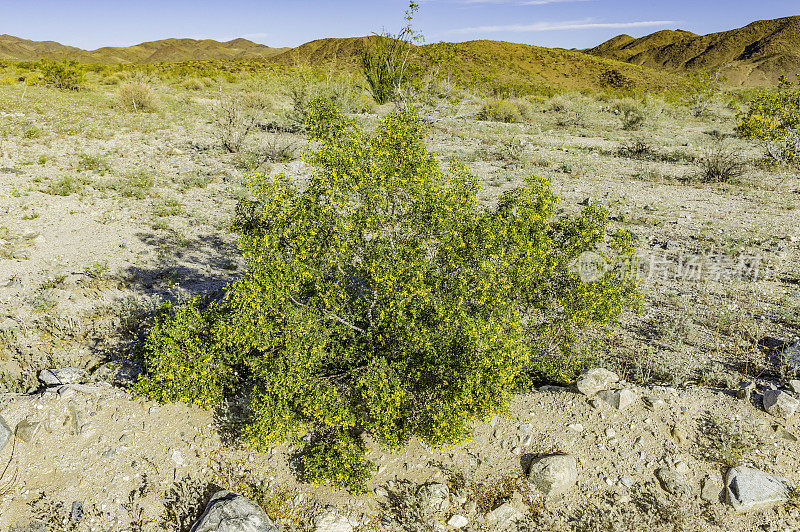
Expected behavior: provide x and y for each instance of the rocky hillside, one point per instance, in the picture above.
(757, 54)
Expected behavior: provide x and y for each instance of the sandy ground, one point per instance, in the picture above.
(106, 213)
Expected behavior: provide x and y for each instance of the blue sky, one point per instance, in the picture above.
(90, 24)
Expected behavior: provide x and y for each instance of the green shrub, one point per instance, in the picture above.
(63, 187)
(137, 97)
(383, 299)
(773, 117)
(631, 116)
(193, 84)
(93, 163)
(499, 111)
(66, 75)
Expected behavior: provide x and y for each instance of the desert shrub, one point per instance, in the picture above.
(302, 90)
(116, 78)
(63, 187)
(193, 84)
(137, 97)
(499, 111)
(630, 115)
(382, 299)
(66, 75)
(93, 163)
(702, 89)
(636, 148)
(559, 104)
(773, 117)
(721, 163)
(235, 116)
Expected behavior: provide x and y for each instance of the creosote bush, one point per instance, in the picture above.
(773, 117)
(382, 299)
(66, 75)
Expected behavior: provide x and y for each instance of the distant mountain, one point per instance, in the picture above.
(757, 54)
(15, 48)
(167, 50)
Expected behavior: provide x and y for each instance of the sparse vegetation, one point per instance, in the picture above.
(721, 163)
(137, 97)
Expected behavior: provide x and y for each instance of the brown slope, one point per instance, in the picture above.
(166, 50)
(23, 49)
(757, 54)
(492, 61)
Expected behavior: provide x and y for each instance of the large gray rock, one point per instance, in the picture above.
(673, 482)
(595, 380)
(332, 521)
(619, 399)
(434, 498)
(5, 433)
(751, 489)
(780, 403)
(792, 355)
(504, 517)
(554, 474)
(57, 377)
(230, 512)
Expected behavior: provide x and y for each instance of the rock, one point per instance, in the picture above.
(750, 489)
(652, 402)
(76, 512)
(795, 385)
(711, 489)
(503, 517)
(434, 498)
(779, 403)
(745, 390)
(619, 399)
(595, 380)
(458, 521)
(672, 482)
(332, 521)
(5, 433)
(116, 372)
(554, 474)
(230, 512)
(26, 430)
(680, 435)
(57, 377)
(792, 355)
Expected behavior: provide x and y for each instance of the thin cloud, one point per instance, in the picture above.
(558, 26)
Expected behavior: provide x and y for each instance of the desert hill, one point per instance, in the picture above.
(757, 54)
(166, 50)
(503, 63)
